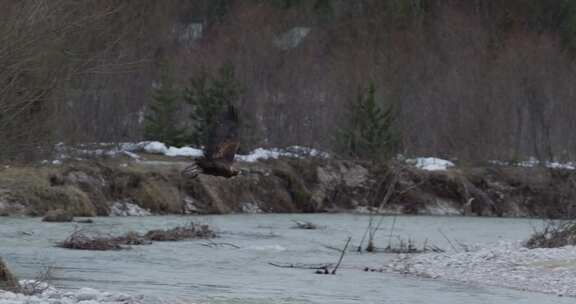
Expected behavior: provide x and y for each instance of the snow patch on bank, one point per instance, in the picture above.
(156, 147)
(549, 270)
(274, 153)
(98, 150)
(256, 154)
(430, 163)
(533, 162)
(84, 295)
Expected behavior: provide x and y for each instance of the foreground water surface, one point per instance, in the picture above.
(192, 272)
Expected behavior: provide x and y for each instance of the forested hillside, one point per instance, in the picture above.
(476, 80)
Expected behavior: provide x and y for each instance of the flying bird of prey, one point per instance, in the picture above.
(220, 150)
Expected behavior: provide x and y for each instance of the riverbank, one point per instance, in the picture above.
(510, 265)
(142, 183)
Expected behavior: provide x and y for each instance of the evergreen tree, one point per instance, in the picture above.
(370, 132)
(324, 8)
(209, 96)
(161, 122)
(217, 10)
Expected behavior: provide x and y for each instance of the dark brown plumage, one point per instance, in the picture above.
(220, 150)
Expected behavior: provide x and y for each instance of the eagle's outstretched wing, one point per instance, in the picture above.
(221, 148)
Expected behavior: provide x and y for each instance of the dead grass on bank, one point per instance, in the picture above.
(31, 186)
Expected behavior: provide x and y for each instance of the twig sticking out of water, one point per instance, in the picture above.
(213, 244)
(341, 255)
(392, 231)
(320, 268)
(448, 240)
(302, 266)
(389, 184)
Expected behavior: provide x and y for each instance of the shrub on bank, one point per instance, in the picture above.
(554, 234)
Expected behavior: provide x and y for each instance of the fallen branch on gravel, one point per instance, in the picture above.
(82, 240)
(320, 268)
(191, 231)
(213, 244)
(132, 238)
(301, 266)
(39, 284)
(338, 249)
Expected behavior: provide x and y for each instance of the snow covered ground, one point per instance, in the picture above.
(508, 265)
(255, 155)
(160, 148)
(83, 295)
(292, 151)
(430, 163)
(154, 147)
(533, 162)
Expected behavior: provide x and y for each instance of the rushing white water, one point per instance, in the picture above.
(189, 272)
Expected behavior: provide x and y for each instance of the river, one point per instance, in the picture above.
(191, 272)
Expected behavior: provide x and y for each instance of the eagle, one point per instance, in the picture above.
(222, 145)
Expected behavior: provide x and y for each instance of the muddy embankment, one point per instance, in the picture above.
(94, 188)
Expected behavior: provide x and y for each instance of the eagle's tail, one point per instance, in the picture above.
(191, 171)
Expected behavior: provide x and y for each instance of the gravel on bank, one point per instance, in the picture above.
(505, 264)
(84, 295)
